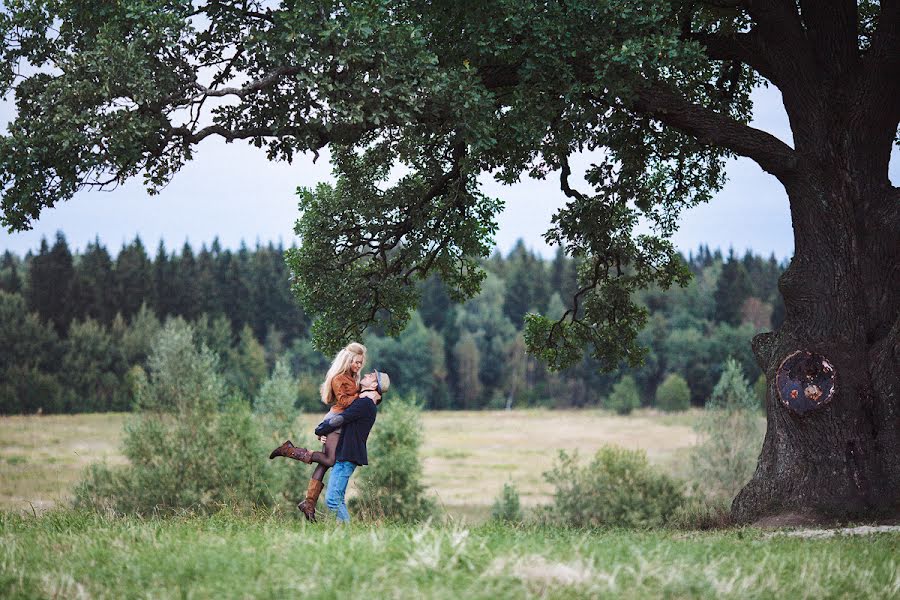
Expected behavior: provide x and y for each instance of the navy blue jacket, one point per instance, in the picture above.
(355, 422)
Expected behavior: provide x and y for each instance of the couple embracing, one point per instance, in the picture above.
(353, 399)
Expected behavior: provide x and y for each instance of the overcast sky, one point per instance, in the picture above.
(233, 192)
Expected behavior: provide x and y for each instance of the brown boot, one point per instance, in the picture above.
(308, 506)
(289, 450)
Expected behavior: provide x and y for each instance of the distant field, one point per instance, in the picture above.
(468, 456)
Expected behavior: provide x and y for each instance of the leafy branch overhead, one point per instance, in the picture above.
(438, 92)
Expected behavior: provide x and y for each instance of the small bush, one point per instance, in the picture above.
(618, 488)
(673, 394)
(276, 402)
(731, 436)
(507, 507)
(391, 485)
(184, 452)
(276, 412)
(732, 391)
(624, 397)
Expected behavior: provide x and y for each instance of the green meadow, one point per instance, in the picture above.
(47, 550)
(70, 555)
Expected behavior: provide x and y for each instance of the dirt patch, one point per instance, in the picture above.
(827, 533)
(540, 571)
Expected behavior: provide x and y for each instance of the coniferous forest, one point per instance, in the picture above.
(76, 329)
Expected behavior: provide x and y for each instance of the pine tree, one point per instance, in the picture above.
(436, 303)
(209, 301)
(93, 287)
(247, 370)
(186, 303)
(162, 283)
(134, 278)
(50, 283)
(9, 274)
(526, 285)
(733, 288)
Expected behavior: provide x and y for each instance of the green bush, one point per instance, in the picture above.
(188, 446)
(276, 402)
(624, 396)
(391, 485)
(618, 488)
(673, 394)
(731, 435)
(507, 507)
(276, 413)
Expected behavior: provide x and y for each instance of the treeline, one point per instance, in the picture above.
(76, 329)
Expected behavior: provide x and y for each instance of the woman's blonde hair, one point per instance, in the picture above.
(341, 364)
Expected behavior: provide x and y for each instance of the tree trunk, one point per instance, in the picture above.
(832, 445)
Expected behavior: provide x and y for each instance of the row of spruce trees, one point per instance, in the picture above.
(76, 329)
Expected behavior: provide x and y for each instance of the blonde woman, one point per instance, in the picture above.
(340, 388)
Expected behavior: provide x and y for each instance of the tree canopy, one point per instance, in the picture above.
(414, 100)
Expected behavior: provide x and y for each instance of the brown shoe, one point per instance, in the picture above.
(301, 454)
(308, 506)
(282, 450)
(289, 450)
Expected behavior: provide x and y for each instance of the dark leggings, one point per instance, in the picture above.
(325, 458)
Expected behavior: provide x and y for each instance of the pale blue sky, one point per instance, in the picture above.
(232, 191)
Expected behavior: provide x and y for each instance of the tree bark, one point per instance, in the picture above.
(832, 451)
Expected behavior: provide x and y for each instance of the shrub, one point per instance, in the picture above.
(183, 452)
(731, 435)
(276, 402)
(391, 485)
(624, 396)
(673, 394)
(276, 413)
(618, 488)
(732, 390)
(507, 507)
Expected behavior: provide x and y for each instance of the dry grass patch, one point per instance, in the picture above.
(468, 456)
(42, 457)
(520, 445)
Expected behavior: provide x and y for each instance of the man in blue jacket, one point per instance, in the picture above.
(355, 423)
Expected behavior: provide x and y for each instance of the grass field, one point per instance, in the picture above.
(468, 456)
(70, 555)
(47, 553)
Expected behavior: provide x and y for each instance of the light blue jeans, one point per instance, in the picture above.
(337, 487)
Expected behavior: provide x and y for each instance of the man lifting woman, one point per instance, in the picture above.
(353, 400)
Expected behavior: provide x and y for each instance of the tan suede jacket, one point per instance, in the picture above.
(345, 391)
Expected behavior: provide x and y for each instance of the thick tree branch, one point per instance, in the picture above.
(709, 127)
(783, 40)
(880, 81)
(831, 27)
(746, 48)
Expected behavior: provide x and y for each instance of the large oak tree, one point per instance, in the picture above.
(416, 98)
